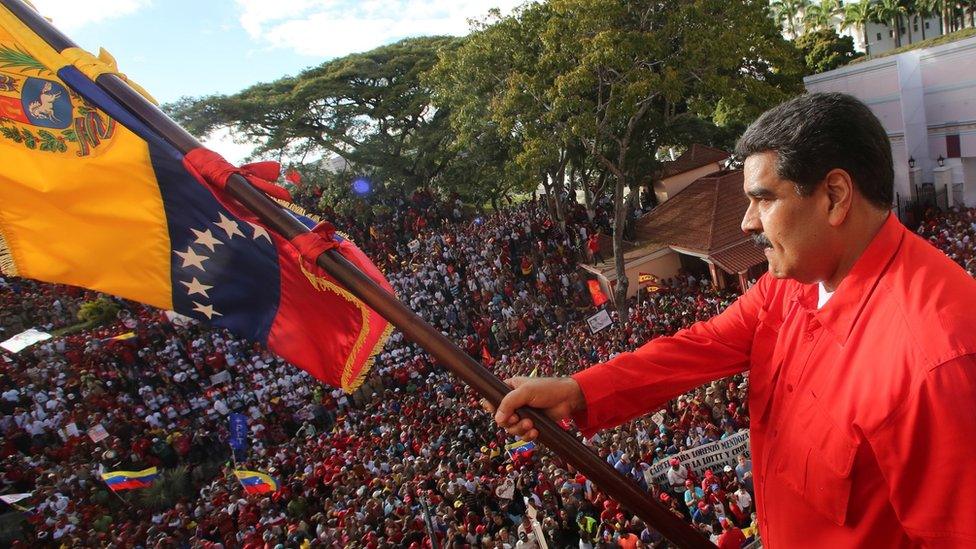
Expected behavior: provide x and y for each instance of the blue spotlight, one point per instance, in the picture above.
(360, 186)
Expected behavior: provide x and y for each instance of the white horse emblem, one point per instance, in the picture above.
(43, 108)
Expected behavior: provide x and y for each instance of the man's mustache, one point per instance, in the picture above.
(761, 241)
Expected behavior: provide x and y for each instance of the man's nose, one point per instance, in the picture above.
(750, 221)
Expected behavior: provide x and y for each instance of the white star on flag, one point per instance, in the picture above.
(195, 287)
(190, 257)
(260, 232)
(206, 238)
(229, 226)
(207, 310)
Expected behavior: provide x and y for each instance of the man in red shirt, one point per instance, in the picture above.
(859, 342)
(731, 538)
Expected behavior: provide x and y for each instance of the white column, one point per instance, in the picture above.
(943, 180)
(913, 113)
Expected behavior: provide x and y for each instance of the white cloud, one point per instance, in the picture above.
(71, 15)
(229, 145)
(331, 28)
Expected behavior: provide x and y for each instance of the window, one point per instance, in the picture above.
(952, 146)
(891, 33)
(926, 24)
(915, 27)
(879, 36)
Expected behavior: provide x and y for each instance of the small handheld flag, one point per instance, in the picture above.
(520, 447)
(118, 481)
(255, 482)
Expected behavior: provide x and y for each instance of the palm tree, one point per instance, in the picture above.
(819, 16)
(858, 16)
(789, 11)
(889, 12)
(923, 10)
(968, 6)
(910, 11)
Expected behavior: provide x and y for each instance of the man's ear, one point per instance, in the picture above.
(840, 191)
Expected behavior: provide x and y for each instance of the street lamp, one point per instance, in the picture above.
(941, 161)
(911, 162)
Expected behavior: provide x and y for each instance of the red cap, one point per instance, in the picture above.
(675, 461)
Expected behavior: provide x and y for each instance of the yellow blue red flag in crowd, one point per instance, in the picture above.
(92, 197)
(118, 481)
(255, 482)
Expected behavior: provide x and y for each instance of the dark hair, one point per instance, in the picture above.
(818, 132)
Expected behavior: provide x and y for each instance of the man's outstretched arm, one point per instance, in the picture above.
(635, 383)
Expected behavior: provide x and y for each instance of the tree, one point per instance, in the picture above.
(371, 108)
(825, 50)
(637, 69)
(890, 12)
(923, 10)
(820, 16)
(789, 11)
(858, 15)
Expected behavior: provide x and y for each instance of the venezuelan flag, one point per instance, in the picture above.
(255, 482)
(520, 447)
(118, 481)
(92, 197)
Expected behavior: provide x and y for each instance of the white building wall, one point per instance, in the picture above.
(921, 97)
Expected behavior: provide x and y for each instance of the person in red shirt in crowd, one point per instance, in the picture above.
(859, 343)
(593, 245)
(732, 537)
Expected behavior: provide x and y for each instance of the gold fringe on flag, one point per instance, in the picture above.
(7, 265)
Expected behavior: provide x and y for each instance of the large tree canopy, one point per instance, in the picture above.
(372, 109)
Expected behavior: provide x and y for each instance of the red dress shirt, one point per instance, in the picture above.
(863, 412)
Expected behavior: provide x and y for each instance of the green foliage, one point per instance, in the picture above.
(371, 108)
(99, 311)
(825, 50)
(171, 486)
(504, 136)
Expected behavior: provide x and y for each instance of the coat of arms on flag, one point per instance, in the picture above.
(38, 112)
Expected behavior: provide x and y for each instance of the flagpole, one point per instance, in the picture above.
(445, 351)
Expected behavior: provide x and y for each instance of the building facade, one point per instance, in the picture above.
(926, 100)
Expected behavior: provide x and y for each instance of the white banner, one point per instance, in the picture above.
(222, 376)
(97, 433)
(714, 455)
(14, 498)
(599, 321)
(24, 340)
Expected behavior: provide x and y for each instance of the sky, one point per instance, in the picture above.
(177, 48)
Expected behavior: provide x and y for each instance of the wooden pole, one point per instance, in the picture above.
(567, 446)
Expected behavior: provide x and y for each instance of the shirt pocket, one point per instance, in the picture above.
(761, 360)
(815, 458)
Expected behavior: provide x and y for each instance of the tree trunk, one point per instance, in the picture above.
(559, 185)
(922, 27)
(550, 203)
(895, 25)
(619, 224)
(864, 33)
(908, 28)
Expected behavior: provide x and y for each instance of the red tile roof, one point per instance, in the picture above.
(693, 158)
(705, 218)
(739, 257)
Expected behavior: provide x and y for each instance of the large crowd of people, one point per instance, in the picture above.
(411, 460)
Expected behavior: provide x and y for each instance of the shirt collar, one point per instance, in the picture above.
(843, 310)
